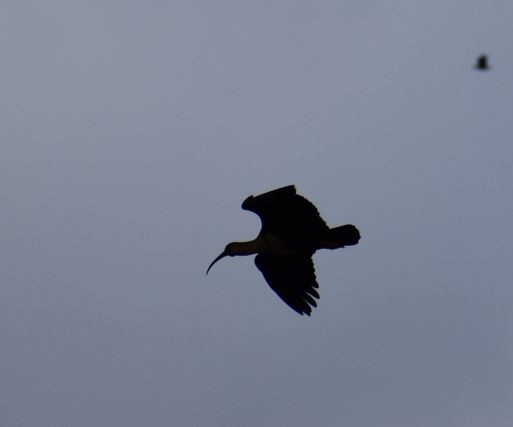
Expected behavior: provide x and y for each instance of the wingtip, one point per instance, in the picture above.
(248, 203)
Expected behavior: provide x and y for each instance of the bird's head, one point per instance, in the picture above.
(231, 249)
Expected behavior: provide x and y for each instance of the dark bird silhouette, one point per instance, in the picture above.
(482, 63)
(292, 230)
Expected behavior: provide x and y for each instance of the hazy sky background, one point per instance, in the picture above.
(132, 131)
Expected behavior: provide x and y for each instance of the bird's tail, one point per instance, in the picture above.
(338, 237)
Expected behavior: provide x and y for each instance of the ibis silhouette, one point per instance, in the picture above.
(292, 230)
(482, 63)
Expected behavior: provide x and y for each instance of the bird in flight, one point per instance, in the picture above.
(292, 230)
(482, 63)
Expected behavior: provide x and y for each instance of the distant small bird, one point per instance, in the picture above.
(292, 230)
(482, 63)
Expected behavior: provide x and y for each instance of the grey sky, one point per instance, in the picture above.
(132, 131)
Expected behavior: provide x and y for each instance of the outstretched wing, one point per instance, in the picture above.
(288, 216)
(292, 277)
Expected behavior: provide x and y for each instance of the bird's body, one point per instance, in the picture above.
(292, 230)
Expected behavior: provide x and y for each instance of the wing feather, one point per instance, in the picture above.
(292, 277)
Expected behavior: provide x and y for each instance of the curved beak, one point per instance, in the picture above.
(223, 254)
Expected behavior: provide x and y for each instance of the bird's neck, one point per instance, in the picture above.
(249, 248)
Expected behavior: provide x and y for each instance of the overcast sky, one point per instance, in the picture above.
(132, 131)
